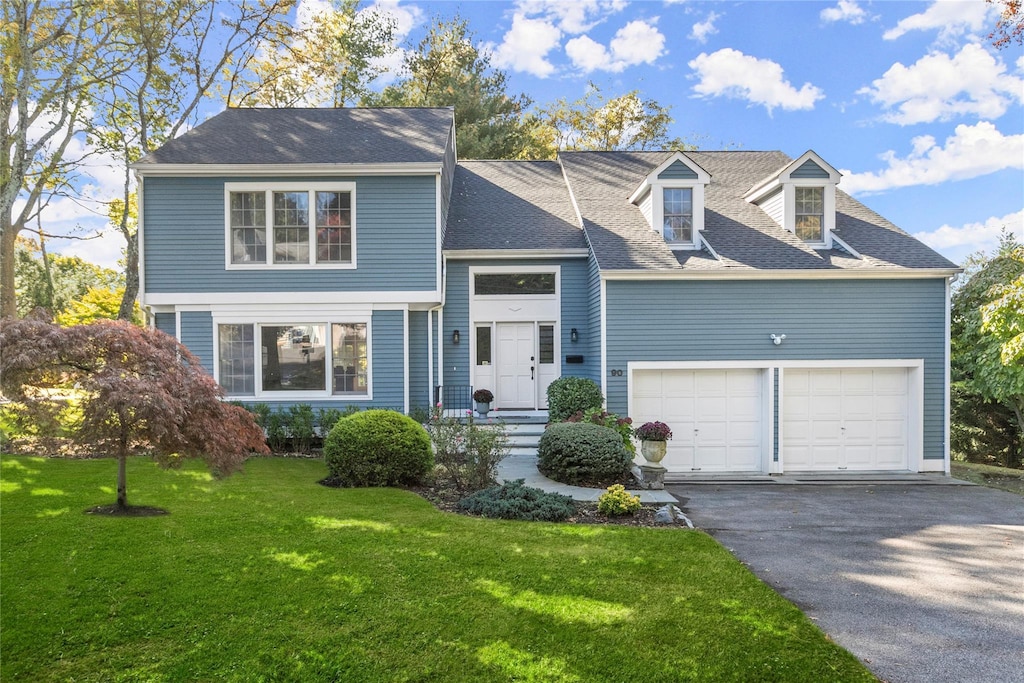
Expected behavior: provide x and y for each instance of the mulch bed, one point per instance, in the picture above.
(127, 511)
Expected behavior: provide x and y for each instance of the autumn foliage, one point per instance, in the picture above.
(138, 389)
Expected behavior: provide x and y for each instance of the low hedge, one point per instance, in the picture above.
(378, 448)
(582, 453)
(568, 395)
(515, 500)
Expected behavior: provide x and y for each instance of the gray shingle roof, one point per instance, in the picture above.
(312, 136)
(511, 205)
(741, 233)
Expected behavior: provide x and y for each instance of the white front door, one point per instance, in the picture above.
(517, 367)
(845, 419)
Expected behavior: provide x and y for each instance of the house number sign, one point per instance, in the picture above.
(616, 373)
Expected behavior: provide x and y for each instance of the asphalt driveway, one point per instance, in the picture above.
(923, 583)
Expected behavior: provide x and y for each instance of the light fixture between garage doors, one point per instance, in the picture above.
(777, 338)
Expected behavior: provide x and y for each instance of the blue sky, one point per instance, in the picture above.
(908, 99)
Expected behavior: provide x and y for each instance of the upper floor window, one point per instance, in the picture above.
(809, 217)
(678, 215)
(290, 225)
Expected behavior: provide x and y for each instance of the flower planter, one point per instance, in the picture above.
(653, 451)
(483, 408)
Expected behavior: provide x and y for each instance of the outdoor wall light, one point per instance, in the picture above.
(777, 338)
(455, 337)
(574, 336)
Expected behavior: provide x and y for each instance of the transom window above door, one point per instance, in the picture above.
(290, 225)
(514, 284)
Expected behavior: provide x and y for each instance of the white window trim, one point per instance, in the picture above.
(828, 206)
(277, 320)
(658, 188)
(269, 188)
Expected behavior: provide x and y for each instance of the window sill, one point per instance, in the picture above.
(291, 266)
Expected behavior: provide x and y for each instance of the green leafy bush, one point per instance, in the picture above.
(567, 395)
(515, 500)
(623, 425)
(617, 501)
(582, 453)
(301, 426)
(378, 448)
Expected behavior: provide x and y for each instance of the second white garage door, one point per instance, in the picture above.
(845, 419)
(716, 417)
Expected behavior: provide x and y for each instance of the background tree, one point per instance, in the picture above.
(447, 70)
(1010, 27)
(98, 303)
(137, 388)
(988, 377)
(55, 54)
(626, 122)
(331, 61)
(54, 281)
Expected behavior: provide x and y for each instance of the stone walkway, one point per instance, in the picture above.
(525, 467)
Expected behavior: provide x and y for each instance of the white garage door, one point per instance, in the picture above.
(715, 417)
(845, 419)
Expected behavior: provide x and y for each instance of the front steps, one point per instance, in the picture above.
(523, 429)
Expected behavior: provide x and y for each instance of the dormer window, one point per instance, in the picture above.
(810, 214)
(671, 199)
(677, 203)
(801, 198)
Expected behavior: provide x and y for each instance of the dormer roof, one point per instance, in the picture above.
(807, 166)
(677, 166)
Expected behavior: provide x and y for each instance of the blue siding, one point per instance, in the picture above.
(197, 335)
(388, 359)
(809, 169)
(677, 170)
(184, 239)
(166, 323)
(575, 312)
(841, 319)
(419, 381)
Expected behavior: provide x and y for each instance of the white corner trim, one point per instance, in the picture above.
(439, 227)
(140, 237)
(405, 360)
(947, 379)
(604, 337)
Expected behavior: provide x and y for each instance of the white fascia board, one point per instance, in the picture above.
(704, 242)
(843, 245)
(515, 253)
(201, 170)
(295, 299)
(761, 191)
(865, 274)
(833, 174)
(572, 196)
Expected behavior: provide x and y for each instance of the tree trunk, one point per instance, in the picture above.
(122, 481)
(1015, 453)
(131, 277)
(8, 304)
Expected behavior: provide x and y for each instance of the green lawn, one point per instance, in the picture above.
(266, 576)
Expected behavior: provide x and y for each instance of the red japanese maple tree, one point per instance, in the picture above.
(137, 389)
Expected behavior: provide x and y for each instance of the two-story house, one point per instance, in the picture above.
(344, 256)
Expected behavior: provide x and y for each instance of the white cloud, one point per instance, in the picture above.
(572, 16)
(525, 46)
(940, 87)
(638, 42)
(703, 29)
(970, 152)
(846, 10)
(731, 73)
(973, 237)
(951, 17)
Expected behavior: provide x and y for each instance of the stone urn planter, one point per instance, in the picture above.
(653, 451)
(483, 398)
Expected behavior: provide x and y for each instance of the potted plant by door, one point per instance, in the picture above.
(653, 436)
(483, 398)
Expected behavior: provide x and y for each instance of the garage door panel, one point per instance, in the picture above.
(845, 418)
(725, 408)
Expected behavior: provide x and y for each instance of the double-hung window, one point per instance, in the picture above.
(290, 225)
(677, 214)
(319, 359)
(809, 217)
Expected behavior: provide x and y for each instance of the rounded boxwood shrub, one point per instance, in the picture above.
(515, 500)
(568, 395)
(378, 448)
(582, 453)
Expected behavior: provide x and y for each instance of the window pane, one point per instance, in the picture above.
(678, 214)
(333, 227)
(547, 344)
(810, 213)
(291, 227)
(483, 345)
(348, 342)
(515, 283)
(294, 357)
(236, 359)
(248, 227)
